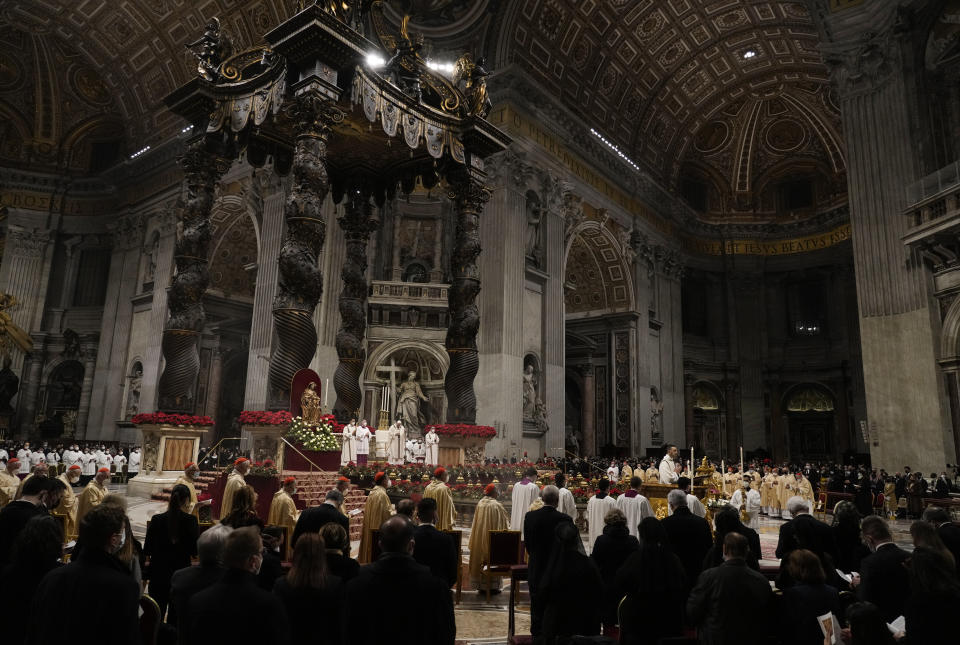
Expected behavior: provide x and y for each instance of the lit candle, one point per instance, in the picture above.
(326, 390)
(692, 464)
(741, 459)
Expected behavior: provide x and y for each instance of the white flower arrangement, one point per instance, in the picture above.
(317, 437)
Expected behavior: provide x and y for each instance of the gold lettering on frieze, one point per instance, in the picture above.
(772, 247)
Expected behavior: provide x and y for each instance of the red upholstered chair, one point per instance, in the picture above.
(505, 552)
(149, 620)
(878, 500)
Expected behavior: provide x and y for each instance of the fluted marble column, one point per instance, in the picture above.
(83, 410)
(30, 384)
(214, 381)
(261, 325)
(589, 412)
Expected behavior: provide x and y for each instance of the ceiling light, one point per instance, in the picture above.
(615, 149)
(139, 152)
(750, 53)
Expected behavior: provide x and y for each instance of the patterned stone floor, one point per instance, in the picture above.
(477, 620)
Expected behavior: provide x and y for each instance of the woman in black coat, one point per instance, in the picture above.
(313, 598)
(568, 614)
(339, 562)
(806, 599)
(728, 521)
(170, 543)
(653, 581)
(610, 551)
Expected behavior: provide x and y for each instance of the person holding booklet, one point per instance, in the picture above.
(808, 598)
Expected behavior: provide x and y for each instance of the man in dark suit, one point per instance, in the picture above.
(39, 494)
(312, 519)
(433, 548)
(884, 579)
(946, 529)
(422, 613)
(722, 594)
(95, 583)
(187, 582)
(942, 487)
(805, 531)
(539, 528)
(689, 536)
(211, 611)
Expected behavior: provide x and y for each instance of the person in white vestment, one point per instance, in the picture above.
(753, 502)
(23, 455)
(525, 493)
(597, 508)
(613, 472)
(669, 468)
(634, 506)
(396, 446)
(363, 435)
(431, 442)
(133, 464)
(567, 504)
(348, 444)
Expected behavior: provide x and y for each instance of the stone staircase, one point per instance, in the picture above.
(204, 479)
(312, 487)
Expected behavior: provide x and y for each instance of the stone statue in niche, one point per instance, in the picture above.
(133, 392)
(656, 415)
(529, 392)
(571, 441)
(540, 416)
(9, 385)
(409, 397)
(150, 270)
(533, 249)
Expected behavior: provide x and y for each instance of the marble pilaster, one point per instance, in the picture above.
(553, 334)
(261, 326)
(158, 315)
(83, 411)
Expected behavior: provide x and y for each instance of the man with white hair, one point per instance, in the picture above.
(188, 581)
(804, 531)
(690, 537)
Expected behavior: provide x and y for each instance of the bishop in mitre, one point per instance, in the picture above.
(235, 481)
(490, 516)
(188, 479)
(597, 508)
(797, 485)
(68, 502)
(93, 494)
(769, 500)
(376, 511)
(439, 491)
(283, 510)
(525, 493)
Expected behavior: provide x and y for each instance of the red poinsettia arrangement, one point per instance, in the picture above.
(464, 430)
(265, 418)
(162, 418)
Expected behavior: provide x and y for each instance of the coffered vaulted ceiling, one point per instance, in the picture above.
(661, 78)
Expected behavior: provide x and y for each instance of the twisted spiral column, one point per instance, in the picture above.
(300, 281)
(357, 224)
(469, 195)
(202, 168)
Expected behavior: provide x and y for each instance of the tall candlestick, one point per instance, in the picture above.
(326, 391)
(741, 460)
(693, 465)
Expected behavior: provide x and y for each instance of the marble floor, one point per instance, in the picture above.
(477, 620)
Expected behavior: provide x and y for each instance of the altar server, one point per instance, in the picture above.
(431, 442)
(753, 502)
(348, 449)
(669, 468)
(525, 492)
(634, 506)
(363, 435)
(597, 508)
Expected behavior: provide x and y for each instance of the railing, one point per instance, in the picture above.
(935, 183)
(309, 461)
(409, 293)
(216, 445)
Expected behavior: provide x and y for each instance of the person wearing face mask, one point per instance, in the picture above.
(210, 611)
(95, 584)
(376, 511)
(68, 504)
(93, 493)
(89, 465)
(40, 495)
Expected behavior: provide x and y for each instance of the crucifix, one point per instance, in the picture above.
(393, 370)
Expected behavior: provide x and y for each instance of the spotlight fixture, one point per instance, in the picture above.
(750, 53)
